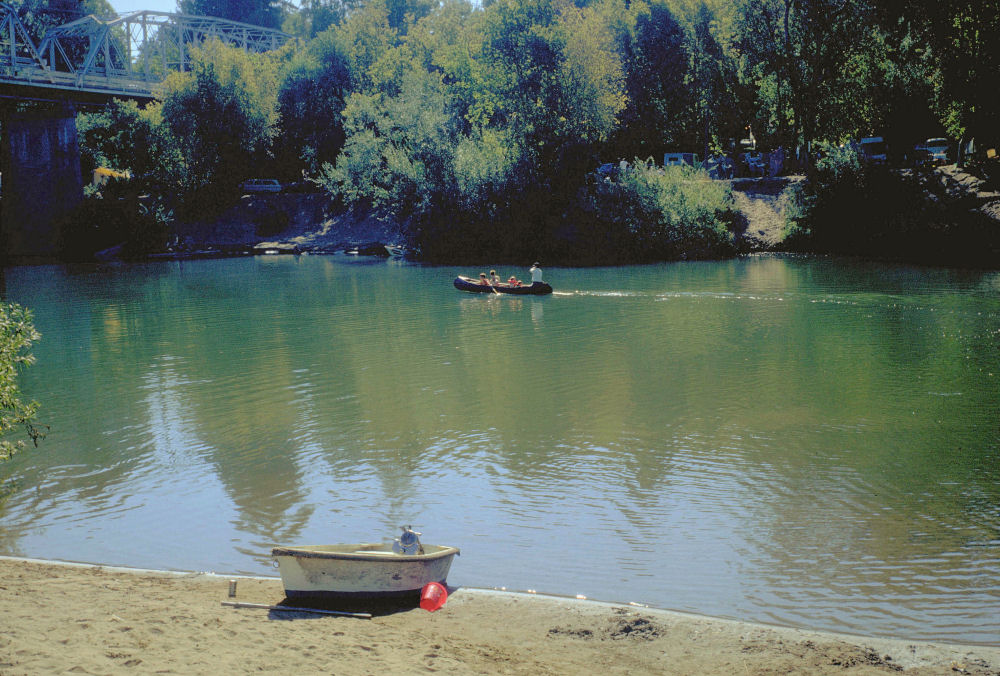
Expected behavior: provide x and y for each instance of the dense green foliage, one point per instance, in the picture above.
(957, 41)
(834, 69)
(40, 15)
(851, 207)
(17, 334)
(317, 81)
(480, 127)
(216, 124)
(220, 119)
(652, 214)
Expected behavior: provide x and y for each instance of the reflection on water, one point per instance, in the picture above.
(798, 441)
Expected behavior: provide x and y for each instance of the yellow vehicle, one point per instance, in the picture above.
(104, 174)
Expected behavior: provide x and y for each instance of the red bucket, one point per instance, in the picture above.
(433, 596)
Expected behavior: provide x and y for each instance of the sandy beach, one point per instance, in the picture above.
(79, 619)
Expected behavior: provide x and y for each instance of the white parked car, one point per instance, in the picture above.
(677, 159)
(937, 151)
(261, 185)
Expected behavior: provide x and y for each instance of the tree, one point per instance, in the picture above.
(656, 61)
(221, 118)
(315, 16)
(549, 73)
(590, 77)
(363, 39)
(125, 137)
(899, 80)
(798, 52)
(40, 15)
(266, 13)
(446, 42)
(960, 38)
(657, 213)
(398, 155)
(466, 119)
(712, 75)
(405, 13)
(17, 334)
(311, 101)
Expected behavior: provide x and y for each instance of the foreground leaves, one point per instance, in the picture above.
(17, 334)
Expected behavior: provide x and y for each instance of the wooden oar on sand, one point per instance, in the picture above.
(290, 609)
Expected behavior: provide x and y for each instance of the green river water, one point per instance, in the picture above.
(799, 441)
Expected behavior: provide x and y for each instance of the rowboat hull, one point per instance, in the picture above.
(471, 285)
(359, 570)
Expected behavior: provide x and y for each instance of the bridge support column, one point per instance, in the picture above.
(41, 181)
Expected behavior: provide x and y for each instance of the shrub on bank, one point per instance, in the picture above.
(647, 214)
(849, 207)
(17, 334)
(98, 224)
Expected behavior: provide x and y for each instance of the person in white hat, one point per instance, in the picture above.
(536, 273)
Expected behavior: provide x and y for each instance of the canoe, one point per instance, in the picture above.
(470, 284)
(361, 570)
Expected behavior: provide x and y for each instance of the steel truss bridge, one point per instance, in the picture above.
(92, 60)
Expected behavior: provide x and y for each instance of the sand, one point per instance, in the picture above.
(78, 619)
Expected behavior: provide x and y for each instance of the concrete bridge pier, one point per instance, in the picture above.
(41, 181)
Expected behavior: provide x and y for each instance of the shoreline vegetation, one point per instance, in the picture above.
(294, 223)
(520, 130)
(78, 618)
(946, 216)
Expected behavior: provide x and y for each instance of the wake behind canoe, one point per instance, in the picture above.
(472, 286)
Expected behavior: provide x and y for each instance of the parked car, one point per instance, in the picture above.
(677, 159)
(720, 166)
(937, 151)
(752, 164)
(261, 185)
(873, 149)
(607, 171)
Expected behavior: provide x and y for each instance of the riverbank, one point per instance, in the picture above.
(767, 205)
(766, 209)
(301, 223)
(289, 222)
(88, 619)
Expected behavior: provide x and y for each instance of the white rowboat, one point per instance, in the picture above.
(361, 570)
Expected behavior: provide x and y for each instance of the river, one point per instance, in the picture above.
(799, 441)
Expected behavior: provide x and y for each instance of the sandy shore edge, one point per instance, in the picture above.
(81, 618)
